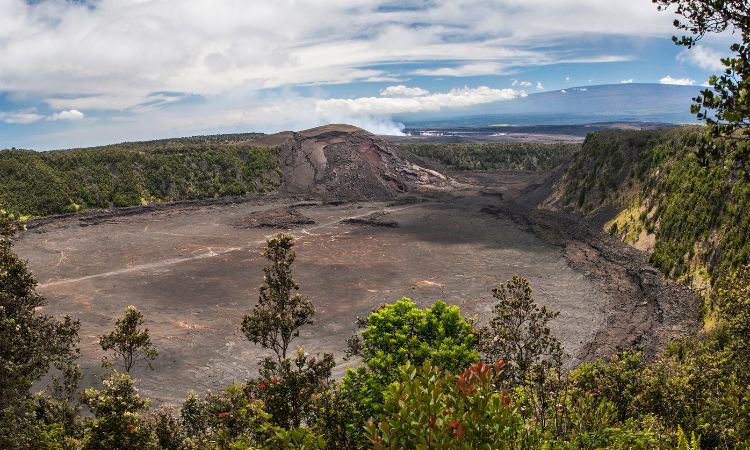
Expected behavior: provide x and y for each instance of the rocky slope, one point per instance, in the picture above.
(344, 163)
(648, 189)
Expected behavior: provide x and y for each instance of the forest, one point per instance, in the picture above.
(36, 184)
(515, 156)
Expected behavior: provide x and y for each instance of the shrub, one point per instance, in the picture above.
(432, 408)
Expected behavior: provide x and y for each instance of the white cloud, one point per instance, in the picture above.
(20, 117)
(567, 78)
(71, 114)
(628, 81)
(525, 84)
(115, 53)
(539, 86)
(465, 70)
(403, 91)
(678, 81)
(386, 106)
(240, 60)
(374, 113)
(704, 57)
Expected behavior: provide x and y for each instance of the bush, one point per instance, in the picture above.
(117, 419)
(432, 408)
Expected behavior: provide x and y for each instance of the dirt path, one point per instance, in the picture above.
(303, 233)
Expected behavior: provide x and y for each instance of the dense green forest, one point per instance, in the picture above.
(128, 174)
(496, 156)
(699, 216)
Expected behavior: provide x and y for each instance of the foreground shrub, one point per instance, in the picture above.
(287, 390)
(403, 333)
(117, 419)
(32, 344)
(220, 419)
(431, 408)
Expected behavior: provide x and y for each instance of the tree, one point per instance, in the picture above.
(117, 420)
(280, 311)
(725, 106)
(220, 419)
(732, 297)
(32, 343)
(128, 342)
(399, 333)
(519, 331)
(288, 391)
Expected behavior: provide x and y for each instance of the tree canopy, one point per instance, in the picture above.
(128, 342)
(281, 311)
(725, 104)
(32, 343)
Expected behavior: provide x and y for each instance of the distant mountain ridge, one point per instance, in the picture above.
(633, 102)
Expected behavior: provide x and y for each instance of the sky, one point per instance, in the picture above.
(90, 72)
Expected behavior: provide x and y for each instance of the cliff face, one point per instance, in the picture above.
(342, 162)
(648, 189)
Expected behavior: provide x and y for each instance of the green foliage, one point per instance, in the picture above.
(218, 421)
(496, 156)
(32, 344)
(700, 216)
(280, 312)
(130, 174)
(128, 342)
(599, 168)
(695, 385)
(687, 443)
(288, 390)
(430, 408)
(519, 331)
(691, 205)
(725, 105)
(336, 419)
(295, 439)
(117, 419)
(167, 429)
(732, 299)
(399, 333)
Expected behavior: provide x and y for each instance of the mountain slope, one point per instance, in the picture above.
(334, 162)
(577, 105)
(342, 162)
(648, 188)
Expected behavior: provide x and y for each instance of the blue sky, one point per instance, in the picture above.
(79, 73)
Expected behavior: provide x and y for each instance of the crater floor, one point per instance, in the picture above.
(194, 273)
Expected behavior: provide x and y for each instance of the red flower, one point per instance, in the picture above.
(262, 385)
(274, 379)
(506, 400)
(131, 427)
(223, 414)
(455, 423)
